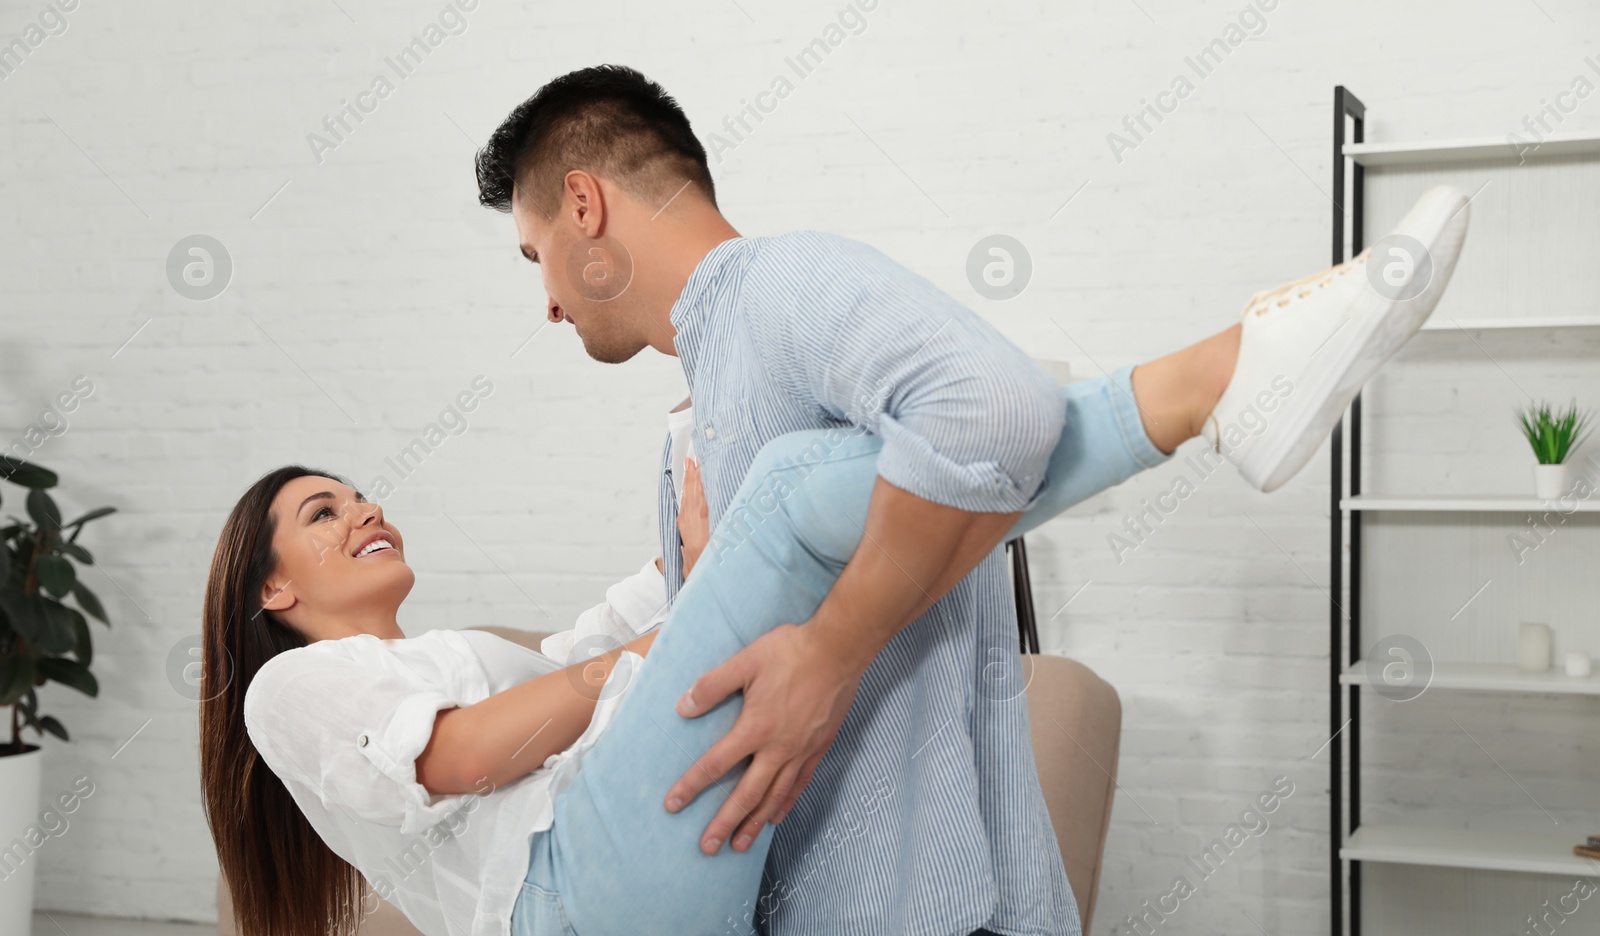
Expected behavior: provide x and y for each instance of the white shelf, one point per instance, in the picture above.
(1466, 503)
(1483, 148)
(1490, 677)
(1507, 324)
(1533, 852)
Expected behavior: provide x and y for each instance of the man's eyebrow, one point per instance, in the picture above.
(325, 495)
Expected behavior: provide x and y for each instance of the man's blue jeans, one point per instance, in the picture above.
(616, 861)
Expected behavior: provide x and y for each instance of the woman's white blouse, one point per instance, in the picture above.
(341, 723)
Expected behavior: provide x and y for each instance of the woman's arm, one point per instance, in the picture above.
(694, 525)
(510, 734)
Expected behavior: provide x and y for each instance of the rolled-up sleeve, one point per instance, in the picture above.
(349, 733)
(632, 607)
(967, 418)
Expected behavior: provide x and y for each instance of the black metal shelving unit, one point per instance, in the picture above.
(1344, 621)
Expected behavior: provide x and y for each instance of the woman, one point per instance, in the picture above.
(262, 537)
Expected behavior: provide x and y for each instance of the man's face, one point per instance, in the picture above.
(585, 279)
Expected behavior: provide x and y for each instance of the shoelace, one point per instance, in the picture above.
(1262, 302)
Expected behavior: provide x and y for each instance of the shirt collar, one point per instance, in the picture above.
(692, 303)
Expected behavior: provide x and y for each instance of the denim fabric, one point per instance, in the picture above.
(615, 860)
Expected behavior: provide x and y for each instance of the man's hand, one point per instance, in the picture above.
(798, 685)
(799, 680)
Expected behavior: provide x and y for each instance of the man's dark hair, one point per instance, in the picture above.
(608, 119)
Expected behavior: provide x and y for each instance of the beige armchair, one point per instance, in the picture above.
(1077, 728)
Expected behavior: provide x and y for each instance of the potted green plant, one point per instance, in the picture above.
(42, 638)
(1554, 436)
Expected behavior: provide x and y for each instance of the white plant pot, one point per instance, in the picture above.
(19, 809)
(1549, 481)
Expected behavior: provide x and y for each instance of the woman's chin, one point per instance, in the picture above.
(393, 576)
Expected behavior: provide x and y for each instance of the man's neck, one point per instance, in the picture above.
(678, 247)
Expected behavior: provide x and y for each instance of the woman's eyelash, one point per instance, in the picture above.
(330, 511)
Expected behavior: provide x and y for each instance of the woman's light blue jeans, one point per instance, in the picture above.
(616, 861)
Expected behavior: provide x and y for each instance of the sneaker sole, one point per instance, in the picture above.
(1387, 325)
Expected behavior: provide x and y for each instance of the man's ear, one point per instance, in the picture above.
(588, 202)
(277, 594)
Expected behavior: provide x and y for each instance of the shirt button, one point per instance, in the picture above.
(361, 741)
(710, 433)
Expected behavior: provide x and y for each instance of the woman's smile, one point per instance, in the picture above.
(379, 543)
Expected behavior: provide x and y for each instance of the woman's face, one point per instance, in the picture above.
(341, 566)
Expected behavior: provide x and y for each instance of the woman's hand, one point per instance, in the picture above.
(694, 523)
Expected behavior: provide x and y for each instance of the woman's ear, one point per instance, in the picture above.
(276, 595)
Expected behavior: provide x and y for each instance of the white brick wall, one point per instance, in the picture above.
(385, 289)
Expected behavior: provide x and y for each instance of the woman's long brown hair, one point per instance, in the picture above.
(284, 879)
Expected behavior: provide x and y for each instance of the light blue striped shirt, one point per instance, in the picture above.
(807, 331)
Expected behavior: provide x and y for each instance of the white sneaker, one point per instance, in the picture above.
(1307, 346)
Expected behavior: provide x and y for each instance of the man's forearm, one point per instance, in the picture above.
(913, 551)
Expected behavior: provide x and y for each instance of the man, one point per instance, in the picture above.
(611, 195)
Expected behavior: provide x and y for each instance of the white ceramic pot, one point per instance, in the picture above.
(1549, 481)
(19, 809)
